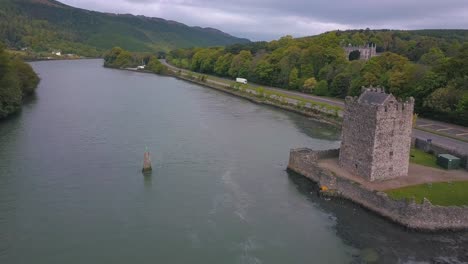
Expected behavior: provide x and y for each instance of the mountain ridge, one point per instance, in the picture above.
(48, 24)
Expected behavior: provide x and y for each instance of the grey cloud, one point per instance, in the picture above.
(264, 19)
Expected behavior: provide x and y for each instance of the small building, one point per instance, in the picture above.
(376, 138)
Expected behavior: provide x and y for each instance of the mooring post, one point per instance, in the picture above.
(147, 162)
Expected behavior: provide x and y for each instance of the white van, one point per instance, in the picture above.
(241, 80)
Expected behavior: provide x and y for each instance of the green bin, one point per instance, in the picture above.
(448, 161)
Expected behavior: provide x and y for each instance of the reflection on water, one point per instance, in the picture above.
(381, 240)
(316, 129)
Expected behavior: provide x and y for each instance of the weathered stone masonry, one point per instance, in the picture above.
(376, 137)
(416, 216)
(365, 52)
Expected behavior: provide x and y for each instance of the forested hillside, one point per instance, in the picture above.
(17, 79)
(47, 25)
(430, 65)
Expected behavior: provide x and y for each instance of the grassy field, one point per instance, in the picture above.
(420, 157)
(441, 193)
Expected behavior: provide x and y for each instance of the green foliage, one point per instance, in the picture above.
(120, 58)
(429, 65)
(354, 55)
(339, 86)
(309, 85)
(260, 92)
(17, 79)
(202, 78)
(438, 193)
(240, 64)
(294, 79)
(43, 26)
(321, 88)
(154, 65)
(435, 57)
(222, 65)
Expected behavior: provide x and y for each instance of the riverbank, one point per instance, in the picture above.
(17, 81)
(325, 115)
(423, 217)
(318, 111)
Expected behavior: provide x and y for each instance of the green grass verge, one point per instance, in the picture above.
(334, 110)
(440, 193)
(420, 157)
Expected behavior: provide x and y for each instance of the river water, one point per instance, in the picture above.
(71, 190)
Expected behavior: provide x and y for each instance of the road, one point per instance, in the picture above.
(423, 129)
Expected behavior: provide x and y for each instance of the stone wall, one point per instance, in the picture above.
(376, 137)
(357, 140)
(439, 149)
(393, 140)
(423, 216)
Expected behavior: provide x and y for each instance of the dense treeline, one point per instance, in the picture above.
(120, 58)
(431, 66)
(47, 25)
(17, 79)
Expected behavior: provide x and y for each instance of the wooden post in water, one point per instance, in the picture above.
(147, 162)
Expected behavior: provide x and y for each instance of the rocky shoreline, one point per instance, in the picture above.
(423, 217)
(306, 111)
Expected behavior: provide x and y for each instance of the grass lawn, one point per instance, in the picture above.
(440, 193)
(420, 157)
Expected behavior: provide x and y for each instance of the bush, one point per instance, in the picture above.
(321, 88)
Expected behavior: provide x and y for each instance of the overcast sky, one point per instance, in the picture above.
(271, 19)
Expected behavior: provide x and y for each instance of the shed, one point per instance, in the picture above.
(448, 161)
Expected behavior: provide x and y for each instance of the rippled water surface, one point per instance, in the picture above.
(71, 190)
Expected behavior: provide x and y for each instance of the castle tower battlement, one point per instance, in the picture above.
(376, 135)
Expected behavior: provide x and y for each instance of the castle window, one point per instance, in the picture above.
(391, 154)
(356, 165)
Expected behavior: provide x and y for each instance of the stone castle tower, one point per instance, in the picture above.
(376, 136)
(366, 52)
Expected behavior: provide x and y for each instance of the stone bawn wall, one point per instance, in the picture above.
(410, 214)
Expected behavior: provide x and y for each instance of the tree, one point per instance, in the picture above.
(240, 64)
(442, 100)
(155, 66)
(309, 85)
(340, 85)
(17, 79)
(354, 55)
(294, 79)
(321, 88)
(124, 59)
(28, 79)
(111, 56)
(264, 71)
(10, 92)
(223, 64)
(434, 57)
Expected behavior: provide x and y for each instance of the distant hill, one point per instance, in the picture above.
(45, 25)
